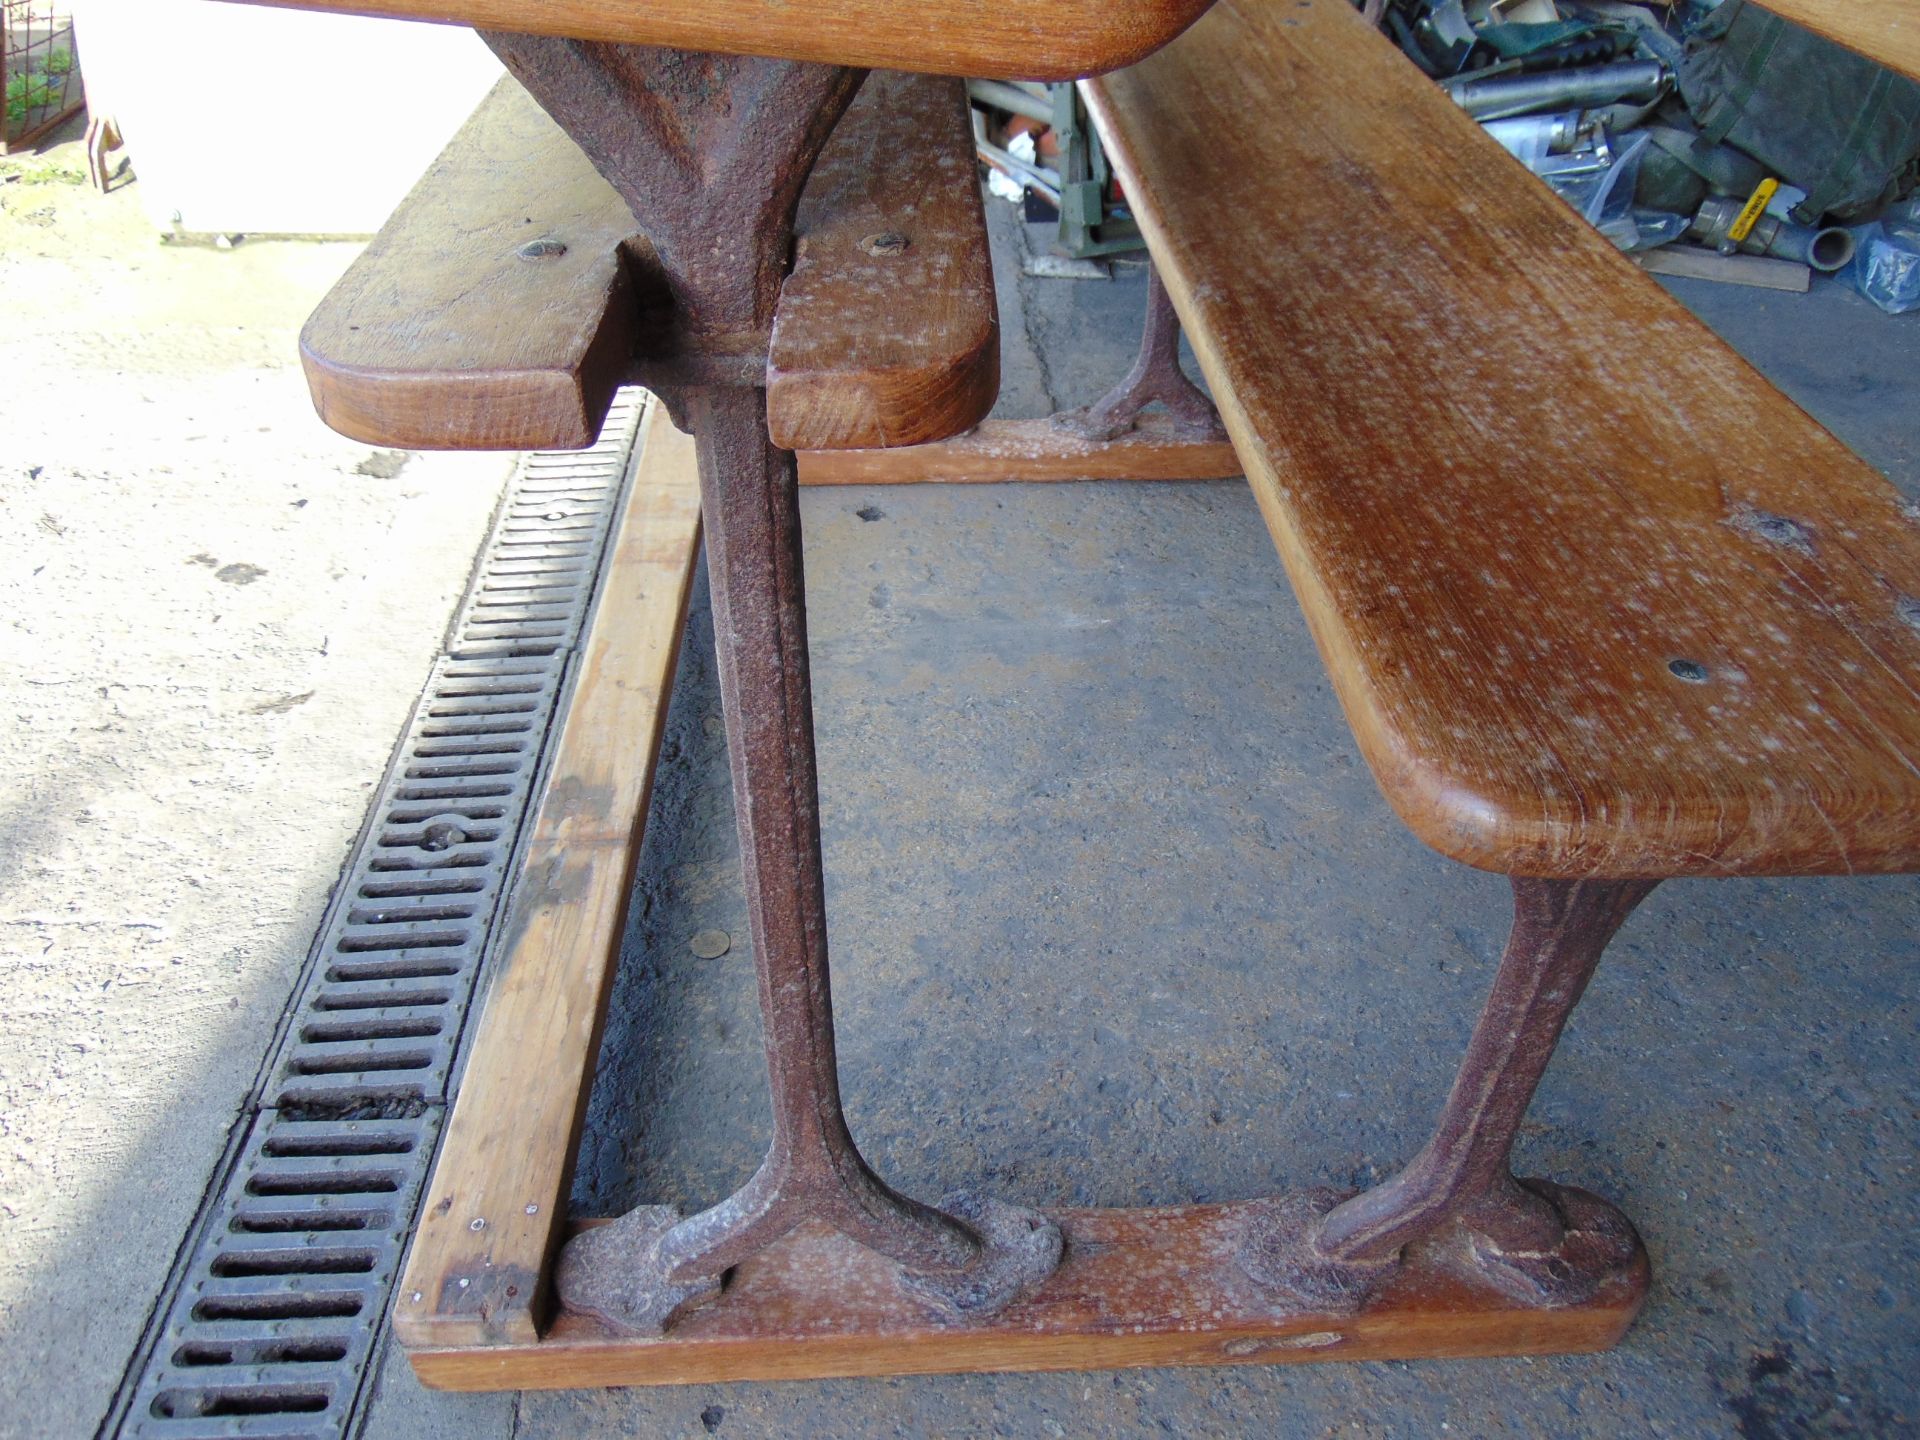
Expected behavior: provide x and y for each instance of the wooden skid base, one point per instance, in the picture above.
(1028, 450)
(1138, 1287)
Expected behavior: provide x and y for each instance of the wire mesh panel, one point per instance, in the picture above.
(39, 69)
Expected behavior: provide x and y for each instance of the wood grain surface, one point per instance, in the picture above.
(1516, 485)
(1883, 30)
(944, 37)
(444, 335)
(1137, 1287)
(887, 331)
(478, 1270)
(1028, 450)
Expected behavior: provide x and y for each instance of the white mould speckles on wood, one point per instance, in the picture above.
(1500, 539)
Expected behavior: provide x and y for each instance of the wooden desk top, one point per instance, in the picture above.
(946, 37)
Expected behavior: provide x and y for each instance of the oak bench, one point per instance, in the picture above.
(1594, 625)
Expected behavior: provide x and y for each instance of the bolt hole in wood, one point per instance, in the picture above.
(1781, 530)
(1691, 671)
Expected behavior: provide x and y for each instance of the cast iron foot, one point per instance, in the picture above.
(1019, 1249)
(1277, 1253)
(1156, 376)
(1107, 421)
(613, 1273)
(1598, 1245)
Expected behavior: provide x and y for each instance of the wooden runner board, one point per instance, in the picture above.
(944, 37)
(1028, 450)
(496, 1202)
(445, 335)
(1597, 599)
(1137, 1287)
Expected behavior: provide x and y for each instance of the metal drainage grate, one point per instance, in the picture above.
(375, 1031)
(272, 1319)
(273, 1329)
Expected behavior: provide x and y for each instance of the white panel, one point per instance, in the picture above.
(243, 120)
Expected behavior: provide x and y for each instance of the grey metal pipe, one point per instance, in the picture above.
(1827, 248)
(1012, 99)
(1637, 80)
(1043, 180)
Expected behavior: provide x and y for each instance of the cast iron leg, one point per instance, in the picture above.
(712, 152)
(1156, 375)
(1538, 1241)
(649, 1261)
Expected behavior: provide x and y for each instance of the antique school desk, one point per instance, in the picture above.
(1591, 631)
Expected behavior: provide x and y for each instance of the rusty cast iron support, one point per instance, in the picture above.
(1156, 375)
(1542, 1243)
(712, 153)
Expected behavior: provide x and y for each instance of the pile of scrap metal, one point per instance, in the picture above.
(1036, 144)
(1710, 126)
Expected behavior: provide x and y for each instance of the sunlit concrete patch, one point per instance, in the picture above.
(216, 615)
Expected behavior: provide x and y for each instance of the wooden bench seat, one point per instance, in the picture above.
(509, 295)
(1597, 599)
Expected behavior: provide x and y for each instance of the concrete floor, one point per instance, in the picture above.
(1119, 916)
(215, 615)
